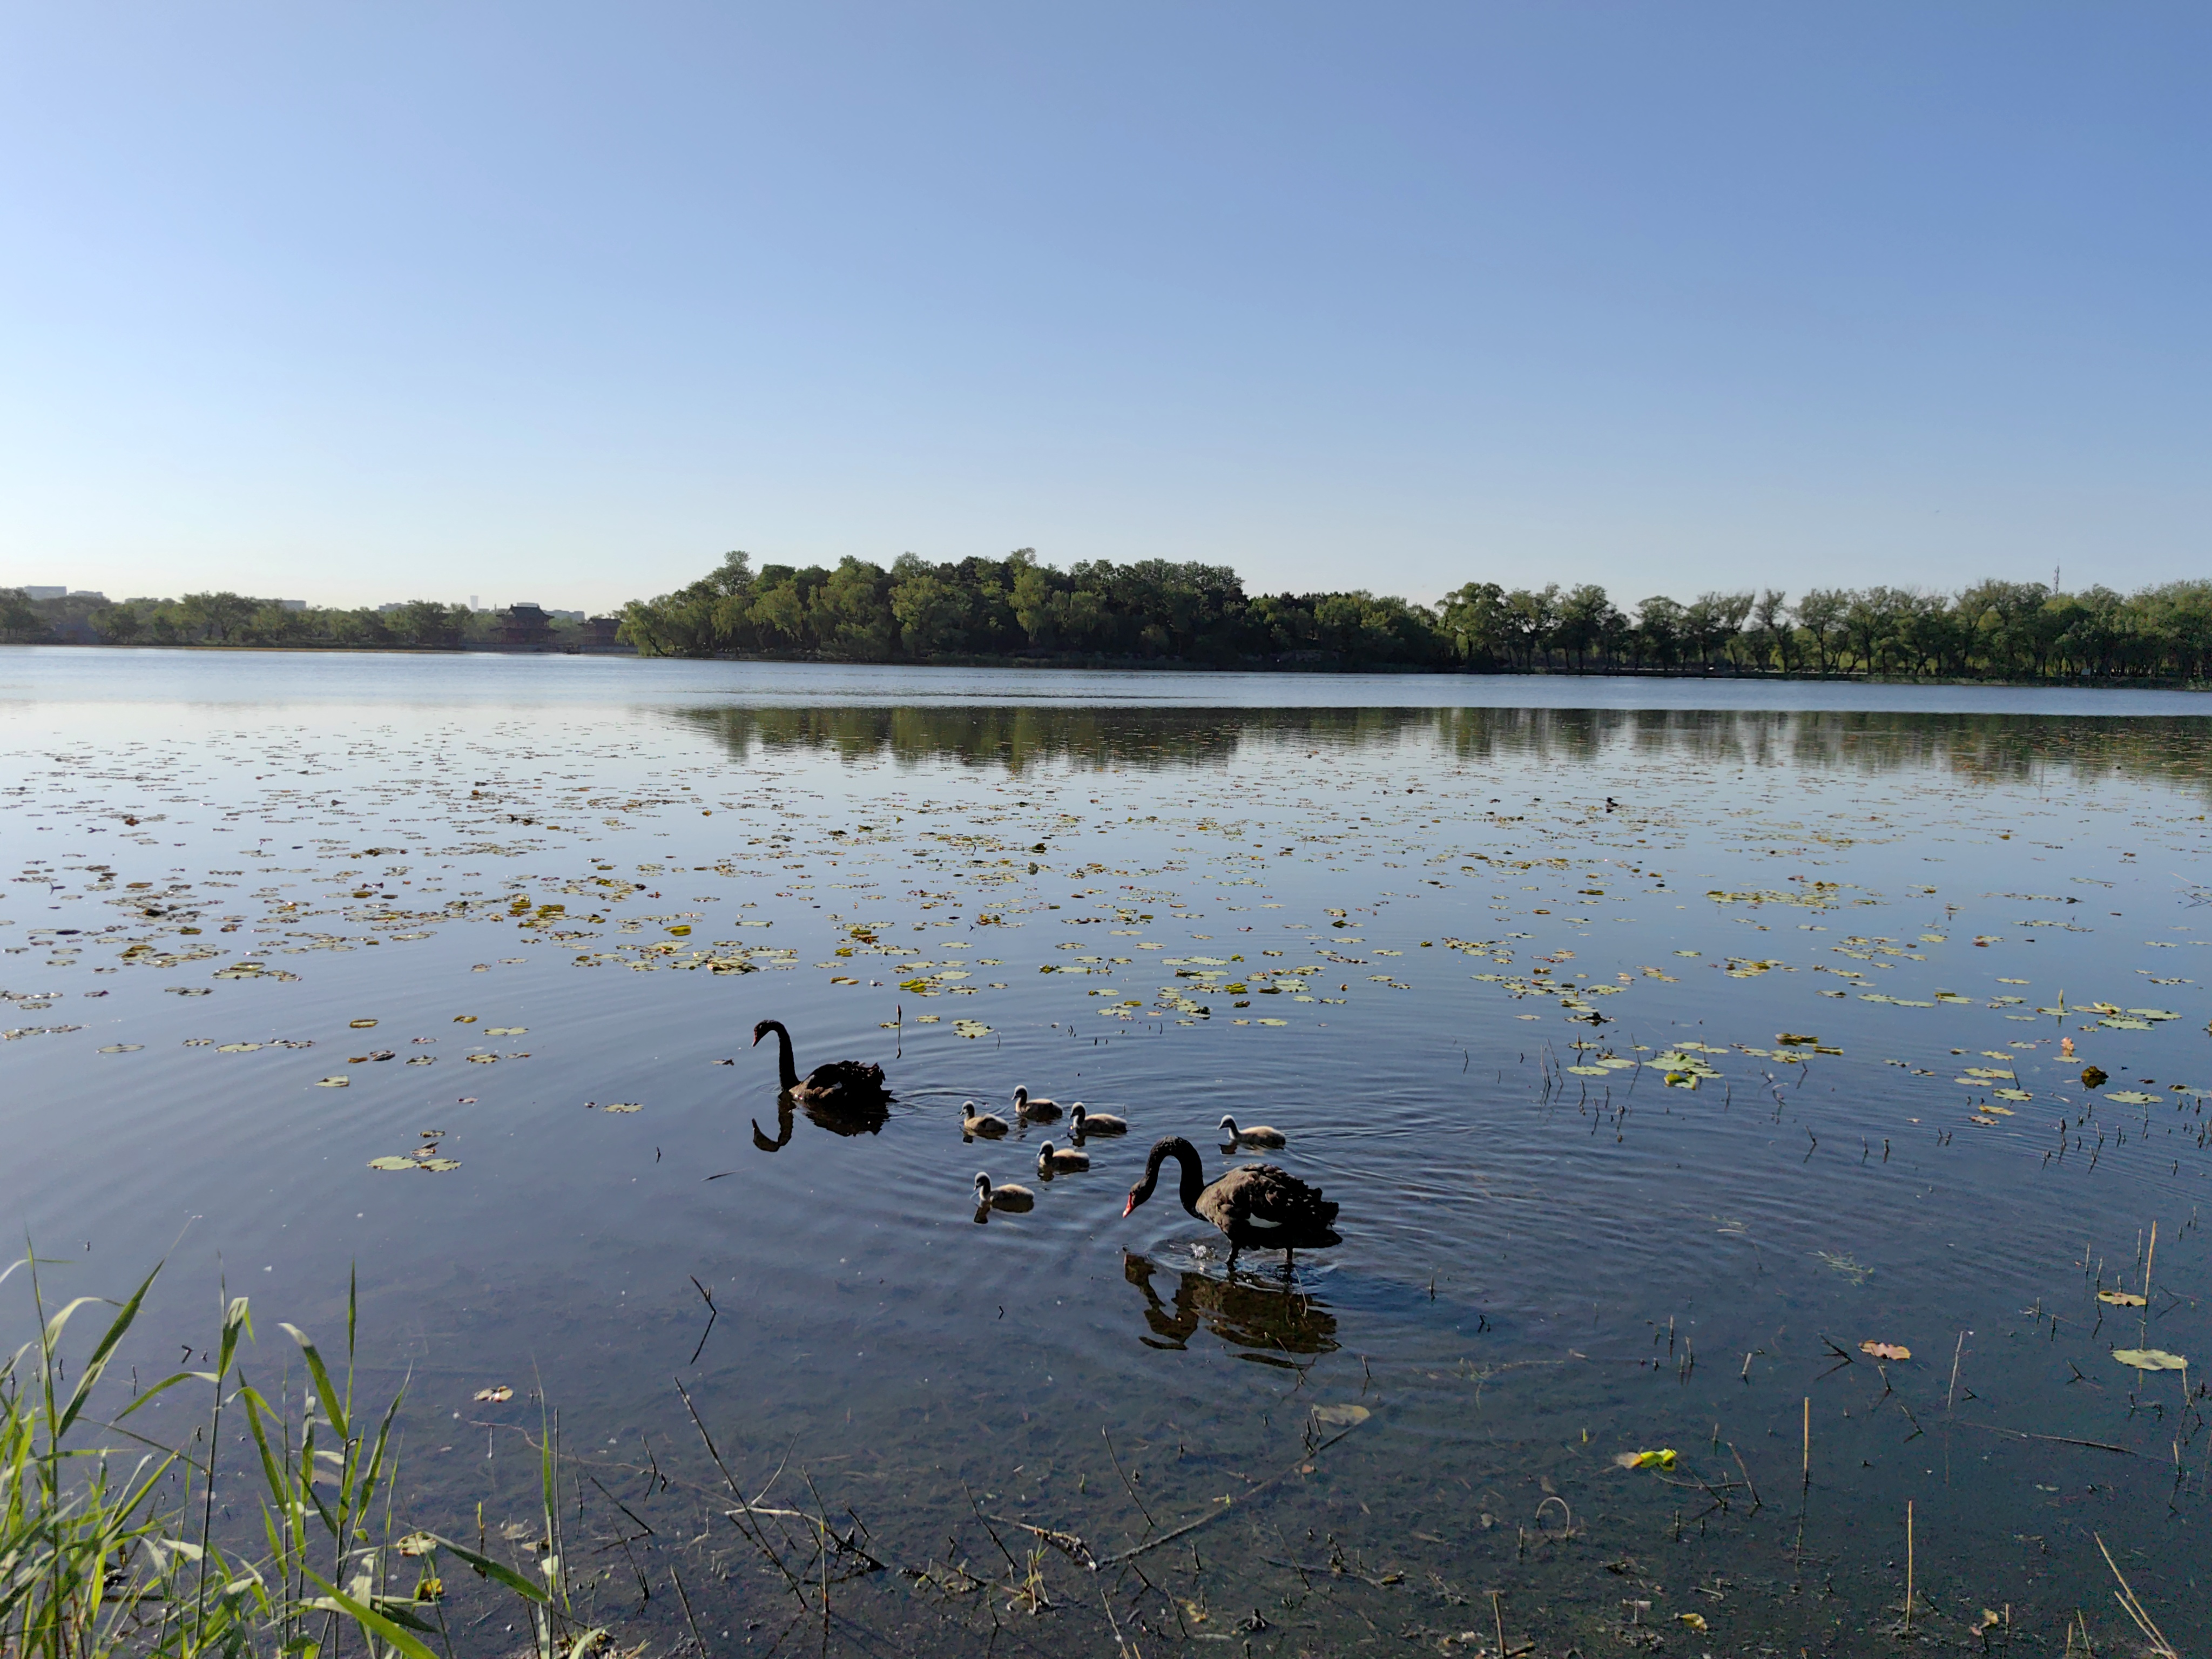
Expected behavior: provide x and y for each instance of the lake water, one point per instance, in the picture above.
(1663, 1043)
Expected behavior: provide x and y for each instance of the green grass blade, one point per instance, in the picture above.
(166, 1382)
(491, 1569)
(89, 1377)
(333, 1408)
(370, 1619)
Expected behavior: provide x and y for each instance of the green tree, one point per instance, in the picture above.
(1820, 613)
(215, 618)
(932, 610)
(1585, 622)
(1661, 630)
(1770, 631)
(1475, 621)
(1531, 617)
(18, 620)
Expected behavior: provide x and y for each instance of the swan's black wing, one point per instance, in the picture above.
(845, 1079)
(1270, 1208)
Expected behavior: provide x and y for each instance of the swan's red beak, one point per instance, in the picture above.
(1130, 1206)
(757, 1037)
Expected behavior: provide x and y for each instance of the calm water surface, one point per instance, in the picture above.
(1663, 1043)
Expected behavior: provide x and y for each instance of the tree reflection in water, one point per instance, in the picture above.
(863, 1120)
(1275, 1321)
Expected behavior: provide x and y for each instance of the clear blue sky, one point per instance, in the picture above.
(353, 302)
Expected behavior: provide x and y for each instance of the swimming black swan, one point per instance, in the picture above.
(1257, 1205)
(1038, 1111)
(839, 1084)
(1054, 1160)
(1258, 1135)
(1088, 1123)
(1016, 1200)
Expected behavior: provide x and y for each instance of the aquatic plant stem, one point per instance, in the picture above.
(1908, 1563)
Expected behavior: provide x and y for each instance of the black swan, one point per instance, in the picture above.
(1012, 1199)
(1041, 1111)
(1084, 1121)
(975, 1122)
(1051, 1160)
(840, 1085)
(1257, 1205)
(1258, 1135)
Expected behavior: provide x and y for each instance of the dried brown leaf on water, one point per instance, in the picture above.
(1885, 1350)
(2150, 1359)
(498, 1395)
(2093, 1077)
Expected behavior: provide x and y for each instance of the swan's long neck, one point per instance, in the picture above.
(787, 1072)
(1193, 1174)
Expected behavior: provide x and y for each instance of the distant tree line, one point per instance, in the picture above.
(1158, 612)
(1200, 614)
(236, 619)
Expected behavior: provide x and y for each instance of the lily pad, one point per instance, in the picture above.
(339, 1082)
(391, 1163)
(1341, 1416)
(2123, 1298)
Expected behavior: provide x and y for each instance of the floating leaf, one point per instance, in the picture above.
(338, 1082)
(465, 1019)
(620, 1106)
(2132, 1097)
(2123, 1298)
(122, 1047)
(439, 1165)
(1885, 1350)
(418, 1543)
(1695, 1620)
(498, 1395)
(361, 1024)
(505, 1030)
(1663, 1459)
(391, 1163)
(1342, 1416)
(2150, 1359)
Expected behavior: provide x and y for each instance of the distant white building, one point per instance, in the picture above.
(291, 605)
(567, 616)
(87, 593)
(30, 592)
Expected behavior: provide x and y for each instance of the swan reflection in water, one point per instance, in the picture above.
(864, 1118)
(1277, 1323)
